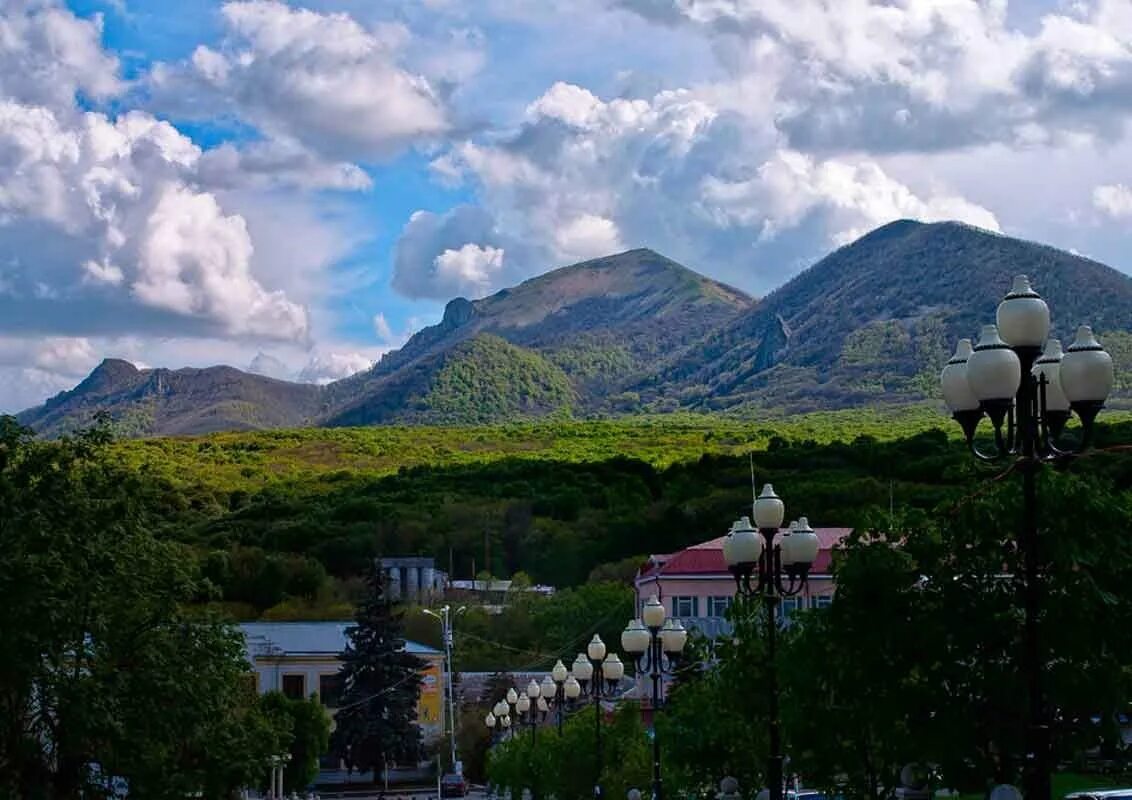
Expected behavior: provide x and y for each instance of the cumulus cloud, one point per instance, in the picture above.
(1113, 200)
(277, 163)
(322, 80)
(584, 177)
(117, 193)
(323, 368)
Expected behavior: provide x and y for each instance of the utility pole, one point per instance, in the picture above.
(445, 616)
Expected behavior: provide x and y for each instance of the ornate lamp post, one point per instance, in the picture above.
(558, 688)
(598, 673)
(528, 704)
(655, 644)
(770, 564)
(1028, 389)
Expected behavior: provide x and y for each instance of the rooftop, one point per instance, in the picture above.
(306, 638)
(706, 558)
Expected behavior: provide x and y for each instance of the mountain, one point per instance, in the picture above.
(562, 343)
(164, 401)
(875, 320)
(604, 323)
(871, 323)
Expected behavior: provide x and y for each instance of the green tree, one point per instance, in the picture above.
(376, 721)
(309, 727)
(96, 639)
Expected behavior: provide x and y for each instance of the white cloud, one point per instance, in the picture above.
(382, 328)
(471, 268)
(280, 163)
(47, 55)
(1113, 200)
(584, 177)
(322, 80)
(325, 367)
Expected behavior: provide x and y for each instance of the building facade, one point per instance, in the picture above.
(300, 659)
(696, 588)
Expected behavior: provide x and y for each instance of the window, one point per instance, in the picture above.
(295, 686)
(717, 606)
(329, 689)
(685, 606)
(789, 606)
(821, 601)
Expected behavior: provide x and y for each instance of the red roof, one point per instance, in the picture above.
(706, 558)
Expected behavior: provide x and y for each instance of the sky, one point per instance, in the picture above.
(294, 188)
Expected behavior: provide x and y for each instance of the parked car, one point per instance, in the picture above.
(453, 785)
(1101, 794)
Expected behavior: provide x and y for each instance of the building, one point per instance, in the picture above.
(301, 659)
(413, 579)
(492, 595)
(695, 586)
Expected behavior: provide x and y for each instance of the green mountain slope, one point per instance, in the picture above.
(184, 401)
(482, 379)
(875, 320)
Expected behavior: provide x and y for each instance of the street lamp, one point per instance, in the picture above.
(1029, 389)
(597, 673)
(558, 688)
(770, 564)
(654, 643)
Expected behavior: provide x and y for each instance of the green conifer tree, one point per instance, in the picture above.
(376, 722)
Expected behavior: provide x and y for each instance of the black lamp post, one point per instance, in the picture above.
(598, 674)
(655, 640)
(770, 566)
(1029, 389)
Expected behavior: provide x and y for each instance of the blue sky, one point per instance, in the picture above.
(302, 185)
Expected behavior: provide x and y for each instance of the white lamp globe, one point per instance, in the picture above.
(501, 709)
(559, 673)
(506, 721)
(673, 636)
(512, 695)
(652, 614)
(583, 670)
(549, 688)
(1086, 369)
(572, 688)
(596, 648)
(635, 638)
(542, 705)
(953, 380)
(804, 544)
(769, 509)
(746, 543)
(1049, 365)
(1023, 316)
(524, 704)
(533, 689)
(489, 720)
(993, 370)
(612, 668)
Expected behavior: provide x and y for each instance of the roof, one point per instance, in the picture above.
(706, 558)
(306, 638)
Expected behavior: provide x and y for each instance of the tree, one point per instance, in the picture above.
(309, 728)
(97, 639)
(376, 721)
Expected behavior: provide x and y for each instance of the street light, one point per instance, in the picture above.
(770, 564)
(597, 672)
(654, 644)
(558, 688)
(1028, 389)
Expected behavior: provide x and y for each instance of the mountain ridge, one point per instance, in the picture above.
(870, 323)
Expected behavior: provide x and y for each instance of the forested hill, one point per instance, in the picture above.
(636, 333)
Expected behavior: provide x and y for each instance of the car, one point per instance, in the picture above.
(1101, 794)
(453, 785)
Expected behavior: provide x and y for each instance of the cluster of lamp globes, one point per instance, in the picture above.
(985, 377)
(635, 639)
(743, 545)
